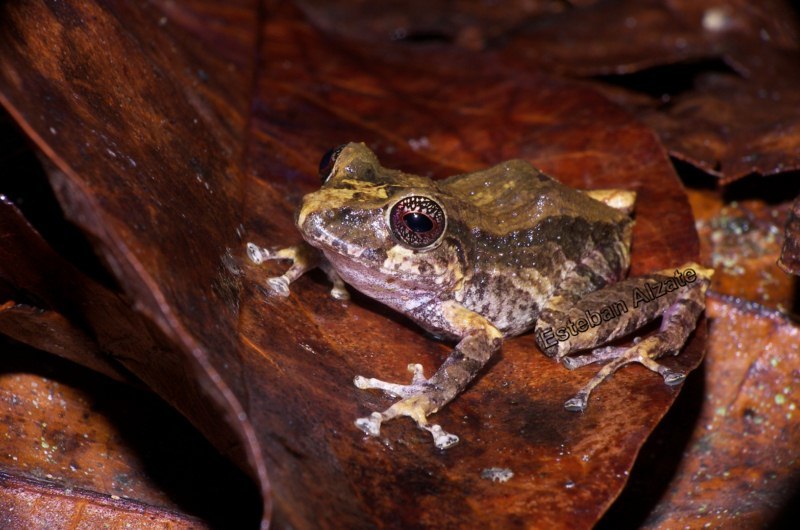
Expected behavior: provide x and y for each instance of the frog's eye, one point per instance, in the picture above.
(327, 162)
(417, 222)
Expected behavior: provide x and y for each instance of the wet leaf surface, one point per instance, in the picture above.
(726, 477)
(726, 456)
(566, 467)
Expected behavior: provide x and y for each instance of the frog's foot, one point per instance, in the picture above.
(644, 352)
(417, 403)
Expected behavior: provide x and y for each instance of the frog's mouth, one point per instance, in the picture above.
(315, 229)
(400, 291)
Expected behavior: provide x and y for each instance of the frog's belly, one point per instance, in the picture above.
(509, 303)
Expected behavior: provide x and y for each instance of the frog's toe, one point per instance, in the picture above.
(370, 425)
(417, 385)
(643, 352)
(442, 439)
(673, 378)
(577, 403)
(338, 292)
(279, 285)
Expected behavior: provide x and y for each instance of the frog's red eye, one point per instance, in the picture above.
(417, 222)
(327, 162)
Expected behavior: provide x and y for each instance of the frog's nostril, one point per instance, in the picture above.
(313, 224)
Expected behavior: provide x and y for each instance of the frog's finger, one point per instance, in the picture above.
(338, 291)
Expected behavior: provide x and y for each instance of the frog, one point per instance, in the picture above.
(484, 256)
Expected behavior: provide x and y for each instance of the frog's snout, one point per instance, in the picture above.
(315, 223)
(307, 213)
(309, 222)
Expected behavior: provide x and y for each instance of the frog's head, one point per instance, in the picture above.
(386, 232)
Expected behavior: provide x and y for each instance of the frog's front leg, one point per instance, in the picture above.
(678, 295)
(304, 257)
(423, 397)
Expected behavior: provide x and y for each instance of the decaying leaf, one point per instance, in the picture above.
(143, 127)
(40, 275)
(474, 25)
(729, 123)
(34, 504)
(732, 126)
(78, 447)
(790, 256)
(742, 242)
(752, 394)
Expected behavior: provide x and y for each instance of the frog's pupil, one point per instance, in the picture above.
(418, 222)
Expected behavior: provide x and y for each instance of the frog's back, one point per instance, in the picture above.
(514, 195)
(528, 234)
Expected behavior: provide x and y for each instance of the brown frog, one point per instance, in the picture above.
(483, 256)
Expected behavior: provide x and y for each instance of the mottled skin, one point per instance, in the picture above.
(520, 251)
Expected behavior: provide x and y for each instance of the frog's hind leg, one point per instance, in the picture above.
(676, 296)
(644, 353)
(595, 356)
(424, 397)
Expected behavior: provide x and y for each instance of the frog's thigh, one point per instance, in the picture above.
(619, 309)
(618, 199)
(426, 396)
(680, 307)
